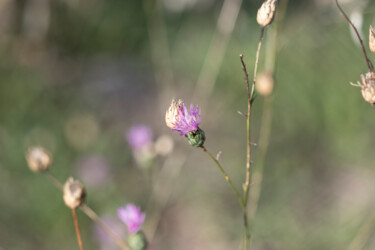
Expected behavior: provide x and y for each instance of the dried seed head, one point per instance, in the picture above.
(264, 84)
(172, 114)
(266, 13)
(38, 159)
(73, 193)
(372, 39)
(368, 89)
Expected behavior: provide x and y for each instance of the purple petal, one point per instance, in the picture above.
(132, 216)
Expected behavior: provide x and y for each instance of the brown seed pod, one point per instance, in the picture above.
(368, 87)
(38, 159)
(73, 193)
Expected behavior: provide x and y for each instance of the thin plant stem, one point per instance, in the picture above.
(266, 120)
(245, 217)
(53, 179)
(250, 96)
(76, 225)
(90, 213)
(93, 216)
(237, 194)
(226, 177)
(364, 233)
(369, 64)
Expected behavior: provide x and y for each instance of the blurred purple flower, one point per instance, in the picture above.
(94, 171)
(132, 216)
(139, 136)
(178, 118)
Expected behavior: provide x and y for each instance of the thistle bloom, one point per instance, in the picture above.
(132, 216)
(178, 118)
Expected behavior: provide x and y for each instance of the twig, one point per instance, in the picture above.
(369, 64)
(76, 225)
(226, 177)
(250, 95)
(91, 214)
(53, 179)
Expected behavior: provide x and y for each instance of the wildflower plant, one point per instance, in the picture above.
(187, 124)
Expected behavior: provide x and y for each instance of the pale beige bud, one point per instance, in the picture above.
(172, 114)
(265, 84)
(372, 39)
(38, 159)
(73, 193)
(368, 89)
(266, 13)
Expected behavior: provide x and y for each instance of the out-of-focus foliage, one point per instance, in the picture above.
(77, 74)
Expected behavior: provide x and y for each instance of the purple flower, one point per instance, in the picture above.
(132, 216)
(178, 118)
(139, 136)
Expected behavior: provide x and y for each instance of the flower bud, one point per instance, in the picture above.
(372, 39)
(137, 241)
(73, 193)
(38, 159)
(266, 13)
(264, 84)
(196, 138)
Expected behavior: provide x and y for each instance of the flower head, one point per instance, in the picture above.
(73, 193)
(139, 136)
(132, 216)
(178, 118)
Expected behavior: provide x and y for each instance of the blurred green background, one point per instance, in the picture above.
(77, 74)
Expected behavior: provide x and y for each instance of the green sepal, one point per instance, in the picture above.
(196, 138)
(137, 241)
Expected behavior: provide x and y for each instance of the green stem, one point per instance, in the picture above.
(226, 177)
(250, 96)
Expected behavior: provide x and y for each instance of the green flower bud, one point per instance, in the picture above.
(137, 241)
(196, 138)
